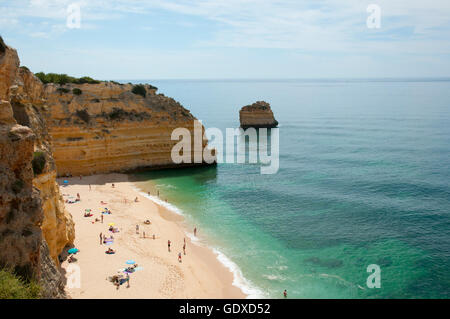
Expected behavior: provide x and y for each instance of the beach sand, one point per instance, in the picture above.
(159, 273)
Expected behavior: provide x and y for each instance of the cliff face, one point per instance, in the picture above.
(34, 227)
(258, 114)
(107, 128)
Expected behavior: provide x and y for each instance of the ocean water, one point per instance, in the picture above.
(364, 179)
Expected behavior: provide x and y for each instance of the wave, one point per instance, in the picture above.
(238, 278)
(160, 202)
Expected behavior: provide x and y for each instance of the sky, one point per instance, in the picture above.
(230, 39)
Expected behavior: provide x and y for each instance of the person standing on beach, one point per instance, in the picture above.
(89, 186)
(102, 218)
(184, 248)
(137, 229)
(195, 231)
(101, 238)
(179, 257)
(143, 234)
(168, 245)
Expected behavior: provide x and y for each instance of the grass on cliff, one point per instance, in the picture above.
(64, 79)
(14, 287)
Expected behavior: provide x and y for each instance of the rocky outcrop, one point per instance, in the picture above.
(257, 115)
(34, 226)
(105, 127)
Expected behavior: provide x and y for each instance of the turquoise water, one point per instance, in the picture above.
(364, 179)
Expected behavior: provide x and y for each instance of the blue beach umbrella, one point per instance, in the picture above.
(130, 262)
(66, 182)
(73, 250)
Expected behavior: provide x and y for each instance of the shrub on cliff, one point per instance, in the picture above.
(38, 162)
(64, 79)
(2, 45)
(62, 90)
(84, 115)
(77, 91)
(13, 287)
(139, 89)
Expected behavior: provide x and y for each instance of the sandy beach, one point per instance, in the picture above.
(159, 273)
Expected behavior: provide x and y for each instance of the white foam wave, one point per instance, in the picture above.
(238, 278)
(160, 202)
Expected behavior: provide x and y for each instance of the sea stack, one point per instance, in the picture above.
(257, 115)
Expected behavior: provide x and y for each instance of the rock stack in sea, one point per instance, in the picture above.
(257, 115)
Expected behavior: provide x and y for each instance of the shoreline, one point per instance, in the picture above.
(239, 280)
(200, 274)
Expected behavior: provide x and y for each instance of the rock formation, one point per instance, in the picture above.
(34, 226)
(257, 115)
(49, 130)
(105, 127)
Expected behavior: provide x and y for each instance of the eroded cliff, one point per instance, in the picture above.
(258, 114)
(105, 127)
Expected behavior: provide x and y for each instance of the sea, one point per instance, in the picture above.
(360, 205)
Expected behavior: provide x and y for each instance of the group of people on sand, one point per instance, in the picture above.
(119, 280)
(169, 243)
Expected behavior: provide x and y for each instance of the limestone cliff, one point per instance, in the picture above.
(105, 127)
(258, 114)
(34, 226)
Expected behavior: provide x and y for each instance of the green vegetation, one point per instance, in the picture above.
(77, 91)
(2, 45)
(14, 287)
(38, 162)
(62, 90)
(23, 67)
(64, 79)
(84, 115)
(139, 89)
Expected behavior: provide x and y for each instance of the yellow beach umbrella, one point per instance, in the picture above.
(111, 224)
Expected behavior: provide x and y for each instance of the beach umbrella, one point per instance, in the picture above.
(111, 224)
(130, 262)
(73, 250)
(66, 182)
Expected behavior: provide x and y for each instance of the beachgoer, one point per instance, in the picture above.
(78, 197)
(143, 234)
(158, 193)
(137, 229)
(102, 218)
(113, 185)
(285, 293)
(89, 186)
(179, 257)
(195, 231)
(136, 200)
(153, 236)
(168, 245)
(184, 248)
